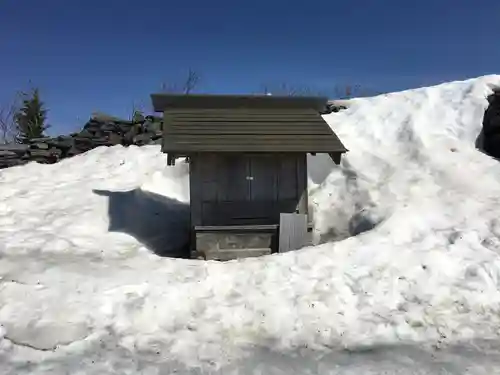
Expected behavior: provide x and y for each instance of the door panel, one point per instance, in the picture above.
(236, 213)
(208, 178)
(249, 189)
(287, 178)
(233, 172)
(264, 182)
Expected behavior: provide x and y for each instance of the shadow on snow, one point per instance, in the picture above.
(158, 222)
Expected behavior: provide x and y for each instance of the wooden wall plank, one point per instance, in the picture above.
(302, 193)
(293, 232)
(195, 186)
(287, 177)
(299, 130)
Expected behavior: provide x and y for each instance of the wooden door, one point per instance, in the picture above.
(263, 178)
(233, 176)
(263, 188)
(251, 189)
(230, 204)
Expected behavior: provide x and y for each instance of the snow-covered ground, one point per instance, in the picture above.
(406, 278)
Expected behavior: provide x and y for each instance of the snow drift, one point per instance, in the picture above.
(409, 261)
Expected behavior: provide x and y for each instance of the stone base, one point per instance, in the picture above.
(227, 245)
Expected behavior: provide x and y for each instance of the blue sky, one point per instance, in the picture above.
(107, 55)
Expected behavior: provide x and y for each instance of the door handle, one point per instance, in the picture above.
(250, 178)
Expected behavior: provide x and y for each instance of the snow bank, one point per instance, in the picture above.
(415, 262)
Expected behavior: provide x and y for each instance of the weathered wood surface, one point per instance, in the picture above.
(206, 102)
(272, 228)
(225, 126)
(245, 189)
(186, 145)
(293, 232)
(196, 186)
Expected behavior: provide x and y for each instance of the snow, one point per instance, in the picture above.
(404, 279)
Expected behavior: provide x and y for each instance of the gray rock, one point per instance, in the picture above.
(62, 142)
(72, 152)
(103, 118)
(42, 139)
(110, 127)
(100, 130)
(142, 139)
(14, 147)
(92, 126)
(45, 153)
(115, 139)
(7, 154)
(153, 127)
(40, 145)
(155, 141)
(85, 133)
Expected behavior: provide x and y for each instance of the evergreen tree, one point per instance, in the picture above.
(31, 117)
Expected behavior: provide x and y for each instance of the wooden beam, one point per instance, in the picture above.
(170, 159)
(335, 157)
(236, 228)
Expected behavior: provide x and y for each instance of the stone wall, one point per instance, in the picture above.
(100, 130)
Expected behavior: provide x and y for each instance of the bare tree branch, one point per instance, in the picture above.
(7, 120)
(191, 81)
(338, 92)
(285, 89)
(353, 91)
(185, 86)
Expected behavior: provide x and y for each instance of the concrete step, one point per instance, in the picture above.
(228, 254)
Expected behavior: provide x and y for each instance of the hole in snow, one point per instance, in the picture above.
(488, 140)
(347, 208)
(360, 222)
(158, 222)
